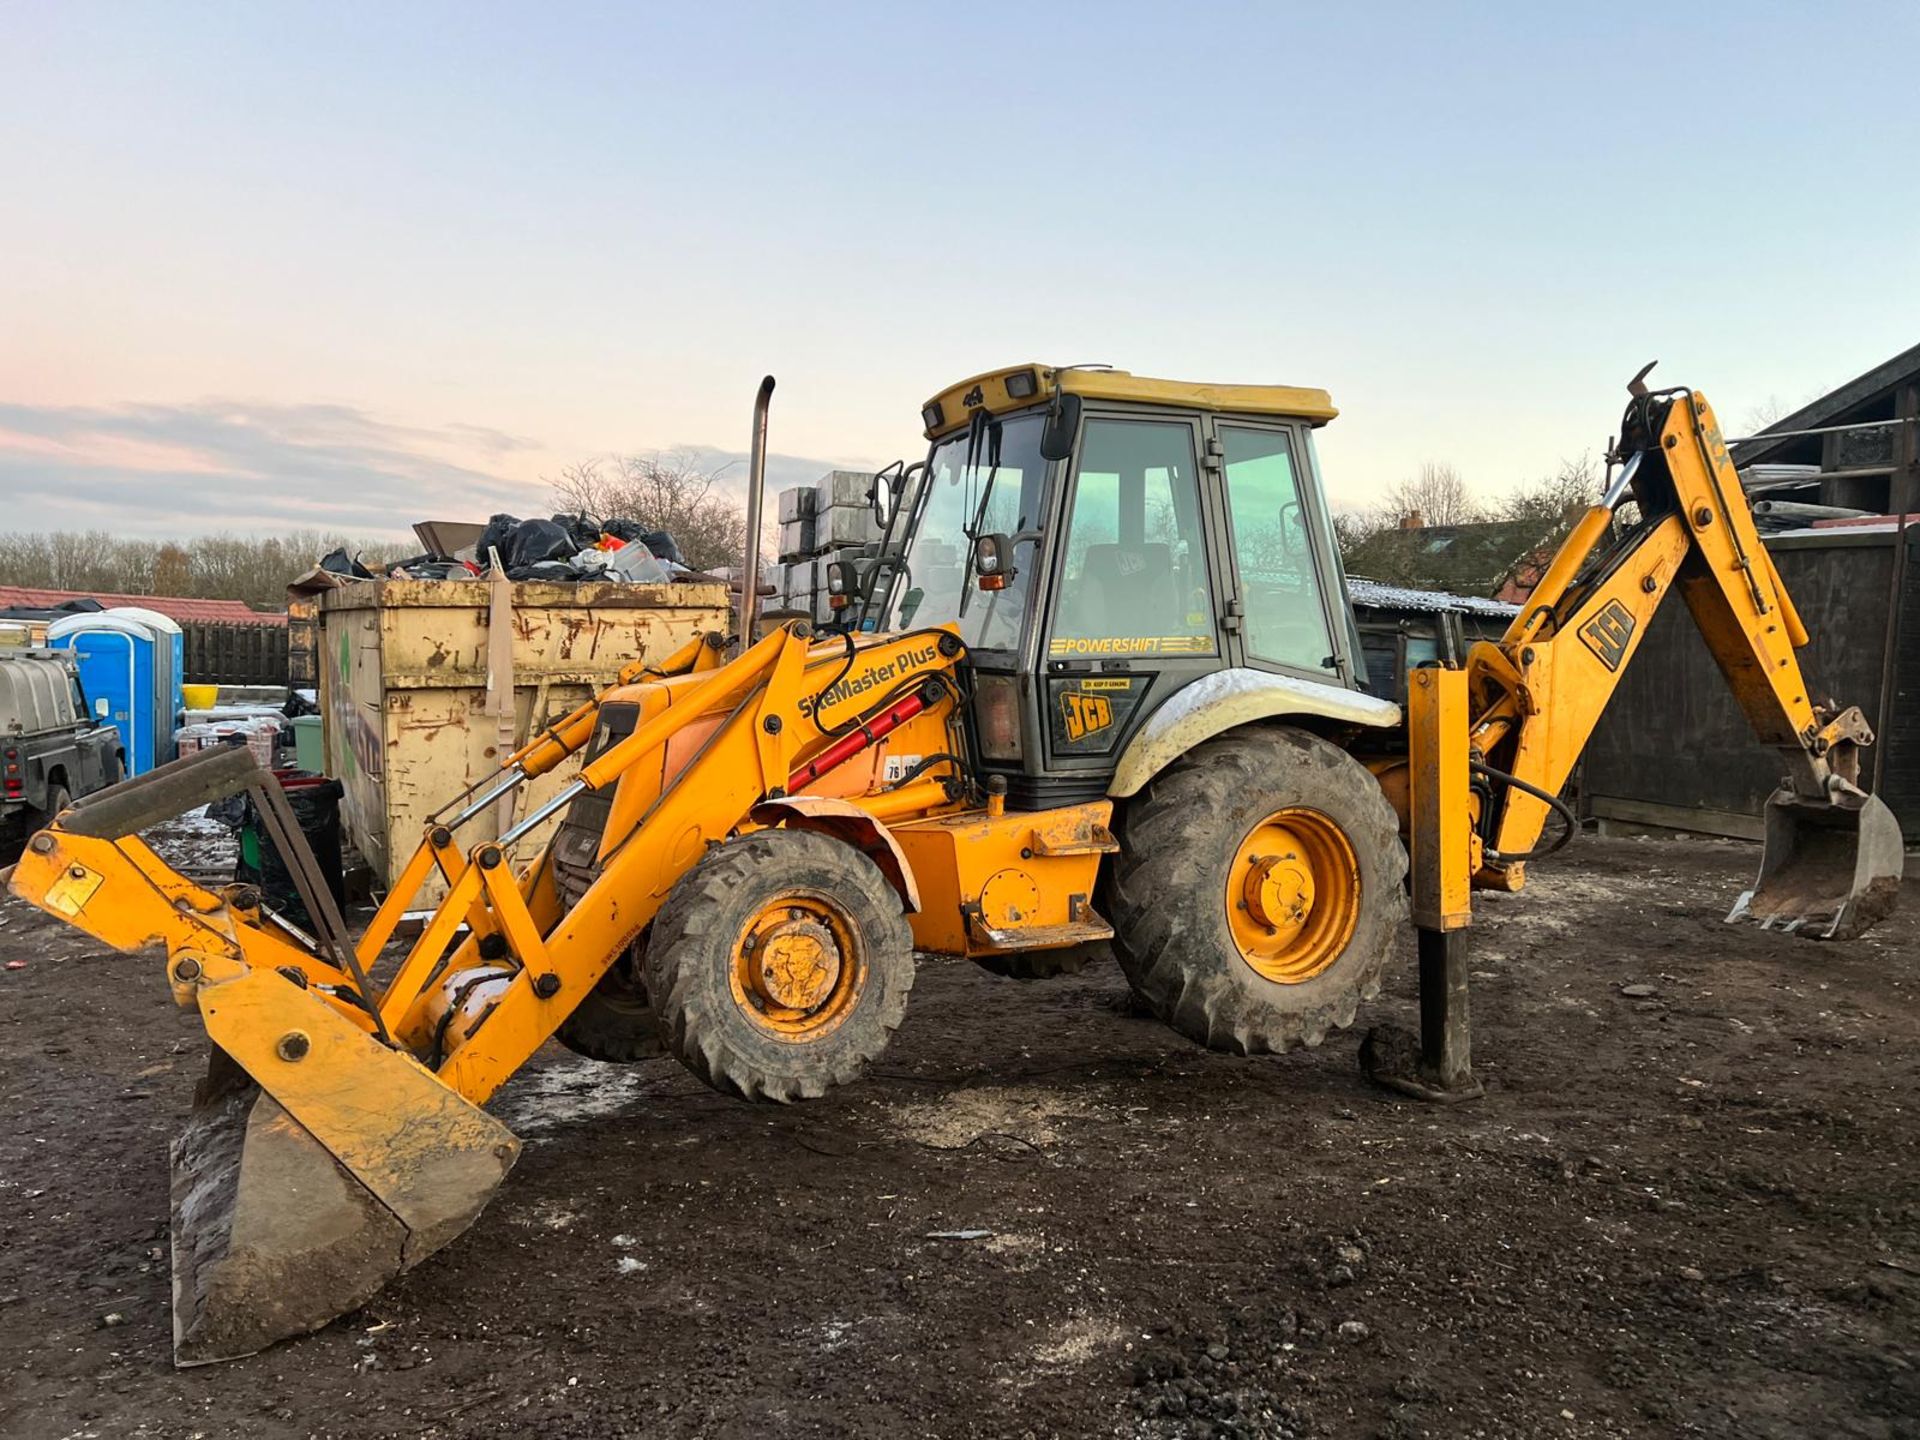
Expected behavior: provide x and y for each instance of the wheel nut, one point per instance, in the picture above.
(293, 1046)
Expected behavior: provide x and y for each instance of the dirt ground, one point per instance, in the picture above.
(1688, 1209)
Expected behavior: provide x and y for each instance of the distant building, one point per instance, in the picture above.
(1402, 629)
(225, 641)
(1496, 559)
(1856, 462)
(27, 603)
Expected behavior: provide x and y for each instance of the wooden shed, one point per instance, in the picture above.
(405, 670)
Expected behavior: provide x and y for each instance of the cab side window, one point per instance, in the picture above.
(1286, 619)
(1135, 576)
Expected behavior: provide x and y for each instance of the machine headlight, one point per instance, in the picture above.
(996, 713)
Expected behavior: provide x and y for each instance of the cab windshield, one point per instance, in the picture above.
(987, 479)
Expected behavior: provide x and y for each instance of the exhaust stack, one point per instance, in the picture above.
(756, 495)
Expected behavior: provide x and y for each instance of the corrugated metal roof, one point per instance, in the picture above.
(1376, 596)
(174, 607)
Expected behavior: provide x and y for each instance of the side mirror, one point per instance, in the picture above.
(885, 494)
(1063, 422)
(102, 708)
(844, 580)
(993, 561)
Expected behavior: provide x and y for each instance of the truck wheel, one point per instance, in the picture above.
(780, 965)
(58, 798)
(1258, 890)
(614, 1023)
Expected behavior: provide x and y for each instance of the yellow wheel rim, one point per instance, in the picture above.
(797, 968)
(1293, 895)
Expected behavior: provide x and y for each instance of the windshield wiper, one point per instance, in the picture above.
(981, 428)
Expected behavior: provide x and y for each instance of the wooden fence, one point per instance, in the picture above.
(235, 654)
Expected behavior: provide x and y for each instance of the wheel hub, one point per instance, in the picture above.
(1279, 889)
(798, 969)
(1293, 893)
(795, 964)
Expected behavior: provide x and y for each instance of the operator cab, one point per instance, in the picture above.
(1102, 540)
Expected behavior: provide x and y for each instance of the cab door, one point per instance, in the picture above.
(1285, 606)
(1134, 605)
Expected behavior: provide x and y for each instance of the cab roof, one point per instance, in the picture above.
(1022, 386)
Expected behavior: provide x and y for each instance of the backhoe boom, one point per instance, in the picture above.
(1536, 694)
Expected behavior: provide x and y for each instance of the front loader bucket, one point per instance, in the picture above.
(316, 1166)
(1827, 870)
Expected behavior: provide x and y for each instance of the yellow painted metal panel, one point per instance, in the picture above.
(989, 392)
(1440, 801)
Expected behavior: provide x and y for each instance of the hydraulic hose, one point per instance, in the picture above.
(1570, 823)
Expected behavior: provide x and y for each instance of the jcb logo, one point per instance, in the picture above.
(1607, 633)
(1085, 714)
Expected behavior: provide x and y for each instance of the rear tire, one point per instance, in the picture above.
(58, 798)
(615, 1024)
(780, 965)
(1190, 843)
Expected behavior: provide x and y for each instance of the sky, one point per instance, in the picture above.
(345, 266)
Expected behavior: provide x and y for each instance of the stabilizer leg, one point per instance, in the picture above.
(1439, 1065)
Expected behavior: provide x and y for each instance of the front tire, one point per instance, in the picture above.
(780, 965)
(1259, 890)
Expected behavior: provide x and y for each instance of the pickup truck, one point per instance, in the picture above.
(51, 746)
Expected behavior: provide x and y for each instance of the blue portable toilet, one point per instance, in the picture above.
(169, 675)
(129, 665)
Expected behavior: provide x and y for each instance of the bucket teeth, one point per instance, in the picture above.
(1827, 871)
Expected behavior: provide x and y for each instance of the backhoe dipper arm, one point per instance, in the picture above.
(1536, 694)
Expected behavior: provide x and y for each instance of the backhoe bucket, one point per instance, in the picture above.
(1829, 871)
(315, 1167)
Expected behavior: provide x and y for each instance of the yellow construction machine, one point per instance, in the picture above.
(1099, 685)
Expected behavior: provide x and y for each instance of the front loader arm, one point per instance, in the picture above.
(1537, 693)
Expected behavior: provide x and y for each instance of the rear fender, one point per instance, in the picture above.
(1228, 699)
(850, 824)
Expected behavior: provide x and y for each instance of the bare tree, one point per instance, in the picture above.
(1758, 417)
(252, 568)
(1437, 495)
(1555, 500)
(1353, 528)
(659, 492)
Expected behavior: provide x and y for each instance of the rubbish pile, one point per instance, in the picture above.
(565, 548)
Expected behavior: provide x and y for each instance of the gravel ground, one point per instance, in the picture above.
(1688, 1205)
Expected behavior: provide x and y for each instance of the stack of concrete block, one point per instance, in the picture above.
(843, 511)
(821, 523)
(796, 523)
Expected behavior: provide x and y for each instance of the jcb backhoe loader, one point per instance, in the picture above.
(1111, 692)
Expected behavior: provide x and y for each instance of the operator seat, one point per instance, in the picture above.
(1124, 590)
